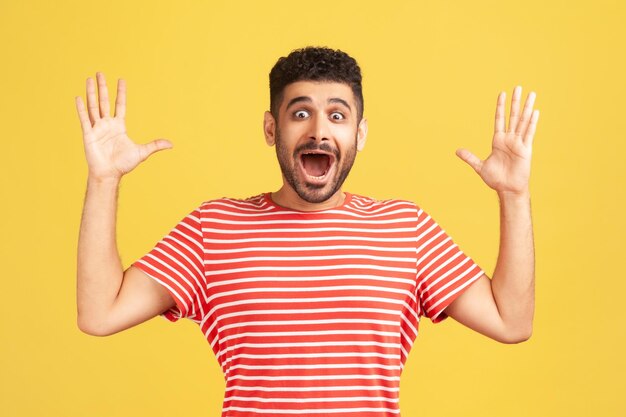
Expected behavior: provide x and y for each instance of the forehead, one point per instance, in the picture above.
(319, 92)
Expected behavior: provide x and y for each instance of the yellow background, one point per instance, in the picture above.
(197, 74)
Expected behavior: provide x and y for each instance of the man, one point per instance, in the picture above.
(310, 296)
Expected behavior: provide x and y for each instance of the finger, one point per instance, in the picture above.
(120, 100)
(530, 133)
(85, 124)
(471, 159)
(148, 149)
(103, 95)
(499, 126)
(92, 103)
(517, 92)
(528, 111)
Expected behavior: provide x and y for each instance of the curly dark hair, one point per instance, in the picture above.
(315, 64)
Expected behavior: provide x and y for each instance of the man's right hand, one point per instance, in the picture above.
(109, 151)
(110, 299)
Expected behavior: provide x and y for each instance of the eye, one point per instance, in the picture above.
(301, 114)
(337, 116)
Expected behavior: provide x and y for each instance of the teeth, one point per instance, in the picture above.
(314, 176)
(318, 178)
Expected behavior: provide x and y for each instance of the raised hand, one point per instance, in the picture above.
(507, 168)
(109, 151)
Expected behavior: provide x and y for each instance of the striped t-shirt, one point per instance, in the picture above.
(309, 313)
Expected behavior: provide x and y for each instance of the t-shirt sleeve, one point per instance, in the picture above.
(177, 263)
(443, 270)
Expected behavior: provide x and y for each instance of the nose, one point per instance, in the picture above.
(319, 128)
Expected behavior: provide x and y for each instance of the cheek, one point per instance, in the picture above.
(289, 138)
(291, 128)
(346, 135)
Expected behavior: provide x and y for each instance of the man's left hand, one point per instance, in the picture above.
(507, 168)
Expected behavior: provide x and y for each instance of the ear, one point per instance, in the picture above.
(269, 128)
(361, 134)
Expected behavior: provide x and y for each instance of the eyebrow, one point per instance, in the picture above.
(340, 101)
(306, 99)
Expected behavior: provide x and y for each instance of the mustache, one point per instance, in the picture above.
(311, 147)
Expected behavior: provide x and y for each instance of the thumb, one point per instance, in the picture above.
(149, 148)
(471, 159)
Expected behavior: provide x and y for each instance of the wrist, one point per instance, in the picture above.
(514, 196)
(98, 180)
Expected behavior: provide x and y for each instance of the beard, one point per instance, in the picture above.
(314, 193)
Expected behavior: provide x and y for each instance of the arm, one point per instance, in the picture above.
(109, 299)
(503, 308)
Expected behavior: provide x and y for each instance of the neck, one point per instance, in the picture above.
(288, 198)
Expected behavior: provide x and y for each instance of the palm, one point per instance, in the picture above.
(109, 151)
(108, 146)
(507, 168)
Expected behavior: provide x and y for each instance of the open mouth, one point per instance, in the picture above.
(316, 165)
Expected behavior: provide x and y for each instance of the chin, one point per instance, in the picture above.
(316, 195)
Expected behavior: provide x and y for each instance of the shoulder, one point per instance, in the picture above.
(372, 204)
(229, 203)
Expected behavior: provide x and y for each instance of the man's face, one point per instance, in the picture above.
(317, 136)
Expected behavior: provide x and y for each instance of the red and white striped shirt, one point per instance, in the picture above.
(309, 313)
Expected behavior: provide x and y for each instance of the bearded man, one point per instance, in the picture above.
(311, 296)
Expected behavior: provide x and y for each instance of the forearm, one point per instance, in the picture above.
(513, 282)
(99, 272)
